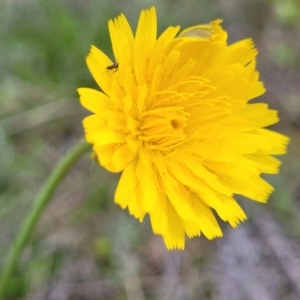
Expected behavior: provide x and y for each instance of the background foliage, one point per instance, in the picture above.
(85, 247)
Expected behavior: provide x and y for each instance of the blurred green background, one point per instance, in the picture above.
(87, 248)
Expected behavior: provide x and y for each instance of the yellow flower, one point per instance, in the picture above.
(174, 116)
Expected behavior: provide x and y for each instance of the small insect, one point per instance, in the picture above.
(113, 67)
(203, 32)
(94, 156)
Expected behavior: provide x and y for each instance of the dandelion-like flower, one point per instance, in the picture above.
(174, 117)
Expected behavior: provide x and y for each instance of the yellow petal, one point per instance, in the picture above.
(94, 101)
(127, 185)
(97, 63)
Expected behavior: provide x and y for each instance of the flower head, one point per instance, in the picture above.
(174, 117)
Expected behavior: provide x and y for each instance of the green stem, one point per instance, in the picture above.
(41, 200)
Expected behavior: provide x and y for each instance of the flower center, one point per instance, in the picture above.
(163, 128)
